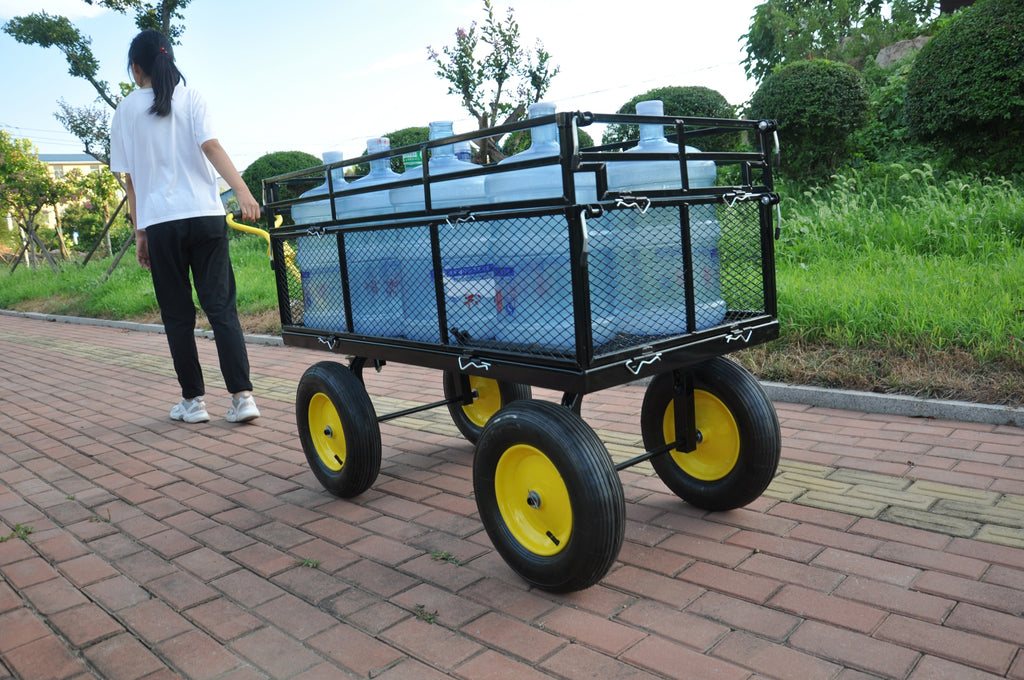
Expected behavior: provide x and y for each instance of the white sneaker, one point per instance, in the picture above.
(190, 411)
(243, 409)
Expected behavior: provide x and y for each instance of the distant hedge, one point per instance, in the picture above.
(966, 87)
(690, 100)
(818, 103)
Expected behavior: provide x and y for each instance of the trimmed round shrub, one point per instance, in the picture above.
(690, 100)
(818, 103)
(278, 163)
(966, 87)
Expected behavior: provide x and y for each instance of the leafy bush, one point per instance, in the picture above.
(818, 104)
(965, 87)
(691, 100)
(278, 163)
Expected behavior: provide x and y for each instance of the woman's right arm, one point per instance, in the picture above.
(141, 243)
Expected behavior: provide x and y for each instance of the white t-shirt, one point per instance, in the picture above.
(171, 175)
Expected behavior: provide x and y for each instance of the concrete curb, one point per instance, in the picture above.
(889, 404)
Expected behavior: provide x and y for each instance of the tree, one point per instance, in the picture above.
(496, 87)
(785, 31)
(89, 123)
(965, 87)
(26, 187)
(692, 100)
(98, 193)
(818, 104)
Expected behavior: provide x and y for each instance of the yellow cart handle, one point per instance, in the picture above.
(278, 220)
(289, 253)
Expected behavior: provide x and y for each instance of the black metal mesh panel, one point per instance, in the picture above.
(373, 261)
(533, 285)
(507, 283)
(742, 263)
(314, 261)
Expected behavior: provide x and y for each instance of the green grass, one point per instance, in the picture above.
(905, 260)
(128, 291)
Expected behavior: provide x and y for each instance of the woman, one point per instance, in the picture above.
(162, 139)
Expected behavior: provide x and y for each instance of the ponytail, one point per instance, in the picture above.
(152, 51)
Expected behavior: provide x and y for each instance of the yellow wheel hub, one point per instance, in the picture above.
(326, 430)
(533, 500)
(718, 446)
(487, 401)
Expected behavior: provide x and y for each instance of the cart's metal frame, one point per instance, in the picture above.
(532, 485)
(585, 371)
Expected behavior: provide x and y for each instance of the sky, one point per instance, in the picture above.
(325, 75)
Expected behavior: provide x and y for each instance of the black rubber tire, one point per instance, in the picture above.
(492, 396)
(549, 496)
(740, 440)
(338, 429)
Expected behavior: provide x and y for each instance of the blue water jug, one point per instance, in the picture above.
(533, 273)
(372, 256)
(466, 276)
(317, 258)
(650, 262)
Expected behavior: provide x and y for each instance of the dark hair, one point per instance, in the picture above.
(152, 51)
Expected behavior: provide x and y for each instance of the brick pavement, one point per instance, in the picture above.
(887, 547)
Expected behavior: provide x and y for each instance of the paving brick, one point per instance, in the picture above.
(28, 572)
(932, 668)
(247, 588)
(86, 569)
(985, 622)
(768, 566)
(46, 657)
(198, 656)
(512, 601)
(860, 565)
(812, 604)
(452, 610)
(691, 627)
(275, 652)
(123, 658)
(223, 619)
(772, 659)
(655, 586)
(667, 658)
(853, 649)
(490, 665)
(971, 650)
(355, 650)
(263, 559)
(576, 662)
(896, 599)
(514, 637)
(53, 596)
(431, 643)
(585, 628)
(20, 627)
(747, 586)
(84, 625)
(295, 617)
(181, 590)
(153, 621)
(116, 593)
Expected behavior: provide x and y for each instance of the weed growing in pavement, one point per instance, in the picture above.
(421, 612)
(309, 562)
(446, 556)
(20, 531)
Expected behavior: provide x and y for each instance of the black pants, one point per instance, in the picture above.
(199, 245)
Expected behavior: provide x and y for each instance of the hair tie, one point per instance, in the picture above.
(163, 50)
